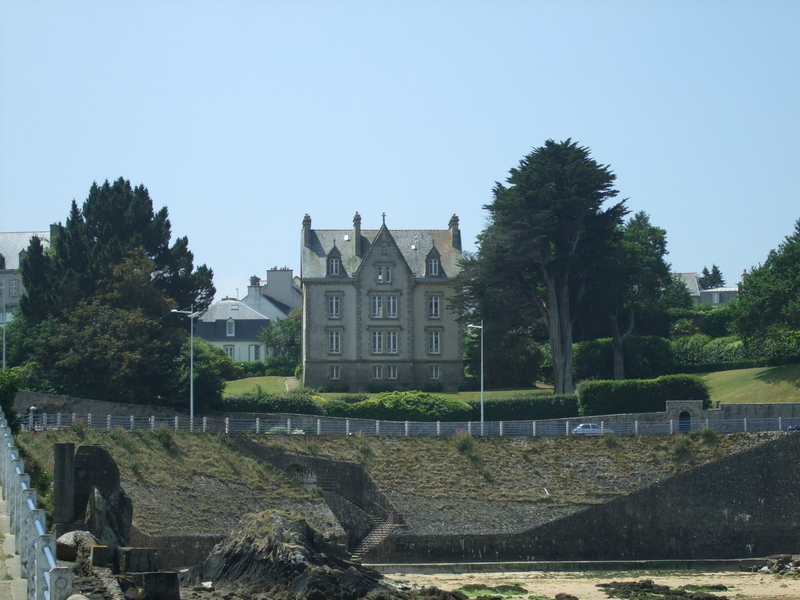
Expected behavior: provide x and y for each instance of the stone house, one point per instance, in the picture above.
(234, 325)
(375, 307)
(714, 296)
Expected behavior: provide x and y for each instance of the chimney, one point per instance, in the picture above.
(455, 233)
(357, 234)
(307, 231)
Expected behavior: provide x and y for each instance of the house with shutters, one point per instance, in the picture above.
(375, 309)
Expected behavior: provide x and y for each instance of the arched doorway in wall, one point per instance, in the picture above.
(302, 474)
(684, 422)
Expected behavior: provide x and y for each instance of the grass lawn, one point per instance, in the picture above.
(755, 386)
(271, 385)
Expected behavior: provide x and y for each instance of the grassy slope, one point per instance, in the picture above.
(271, 385)
(762, 385)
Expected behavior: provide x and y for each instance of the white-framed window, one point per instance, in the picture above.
(433, 266)
(230, 328)
(434, 307)
(384, 274)
(391, 371)
(377, 342)
(230, 350)
(333, 306)
(433, 372)
(13, 288)
(377, 371)
(714, 297)
(434, 341)
(391, 307)
(391, 342)
(335, 372)
(334, 342)
(333, 265)
(377, 307)
(254, 352)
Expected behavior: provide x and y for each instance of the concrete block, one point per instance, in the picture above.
(138, 560)
(162, 585)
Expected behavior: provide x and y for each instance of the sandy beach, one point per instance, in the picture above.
(753, 586)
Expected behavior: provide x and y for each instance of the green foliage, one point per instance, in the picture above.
(711, 279)
(256, 368)
(699, 350)
(95, 317)
(283, 340)
(718, 322)
(769, 298)
(511, 357)
(545, 226)
(403, 406)
(645, 357)
(298, 402)
(639, 395)
(9, 384)
(526, 407)
(212, 368)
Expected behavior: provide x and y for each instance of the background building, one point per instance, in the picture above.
(375, 307)
(13, 246)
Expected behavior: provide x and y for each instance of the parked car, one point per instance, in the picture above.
(590, 429)
(793, 428)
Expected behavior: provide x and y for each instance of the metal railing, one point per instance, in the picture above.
(316, 425)
(36, 548)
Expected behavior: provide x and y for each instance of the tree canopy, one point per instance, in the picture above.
(96, 312)
(545, 226)
(711, 279)
(769, 299)
(283, 340)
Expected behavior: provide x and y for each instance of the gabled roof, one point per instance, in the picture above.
(14, 242)
(414, 245)
(231, 309)
(690, 279)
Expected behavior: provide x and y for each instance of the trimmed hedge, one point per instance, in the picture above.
(639, 395)
(298, 402)
(402, 406)
(526, 408)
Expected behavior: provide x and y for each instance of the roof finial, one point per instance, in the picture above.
(384, 218)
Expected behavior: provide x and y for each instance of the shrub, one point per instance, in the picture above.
(299, 402)
(639, 395)
(254, 368)
(402, 406)
(645, 357)
(526, 407)
(335, 388)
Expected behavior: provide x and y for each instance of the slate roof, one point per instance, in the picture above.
(12, 243)
(690, 279)
(227, 309)
(414, 245)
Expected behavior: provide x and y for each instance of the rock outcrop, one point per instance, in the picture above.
(283, 557)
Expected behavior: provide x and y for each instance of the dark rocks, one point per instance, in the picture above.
(284, 558)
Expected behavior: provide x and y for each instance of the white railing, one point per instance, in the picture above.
(36, 548)
(316, 425)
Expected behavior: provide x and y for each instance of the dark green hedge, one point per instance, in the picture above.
(402, 406)
(298, 402)
(645, 357)
(526, 408)
(639, 395)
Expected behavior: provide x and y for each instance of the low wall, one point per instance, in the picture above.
(177, 551)
(739, 507)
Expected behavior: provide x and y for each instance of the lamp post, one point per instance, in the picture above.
(481, 328)
(192, 315)
(3, 292)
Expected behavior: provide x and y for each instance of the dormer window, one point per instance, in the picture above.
(230, 328)
(433, 267)
(333, 265)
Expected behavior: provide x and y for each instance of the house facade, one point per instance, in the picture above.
(714, 296)
(231, 325)
(374, 307)
(234, 325)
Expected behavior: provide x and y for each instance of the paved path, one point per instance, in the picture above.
(12, 587)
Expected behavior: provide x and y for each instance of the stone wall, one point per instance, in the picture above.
(177, 551)
(739, 507)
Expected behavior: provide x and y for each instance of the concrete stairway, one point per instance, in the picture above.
(377, 535)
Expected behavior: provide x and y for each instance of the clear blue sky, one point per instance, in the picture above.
(241, 117)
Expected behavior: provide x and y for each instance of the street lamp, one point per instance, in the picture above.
(192, 315)
(481, 328)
